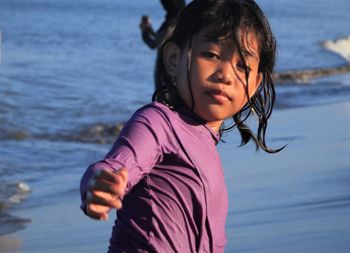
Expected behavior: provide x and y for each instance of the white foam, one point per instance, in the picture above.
(22, 190)
(340, 46)
(23, 187)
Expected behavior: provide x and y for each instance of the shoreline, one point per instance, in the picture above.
(62, 227)
(9, 244)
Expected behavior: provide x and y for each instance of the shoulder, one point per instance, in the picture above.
(152, 122)
(155, 106)
(154, 118)
(154, 112)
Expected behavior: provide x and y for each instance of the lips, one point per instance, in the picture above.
(219, 95)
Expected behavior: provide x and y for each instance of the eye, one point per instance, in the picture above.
(242, 66)
(211, 55)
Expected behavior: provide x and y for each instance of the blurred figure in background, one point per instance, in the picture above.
(154, 39)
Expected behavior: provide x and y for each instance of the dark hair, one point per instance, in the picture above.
(231, 18)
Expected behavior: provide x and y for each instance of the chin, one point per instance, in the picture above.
(213, 113)
(212, 117)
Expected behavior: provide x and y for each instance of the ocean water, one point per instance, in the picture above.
(68, 67)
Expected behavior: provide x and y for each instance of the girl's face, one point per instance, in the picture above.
(217, 75)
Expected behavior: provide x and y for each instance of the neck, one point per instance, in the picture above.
(215, 125)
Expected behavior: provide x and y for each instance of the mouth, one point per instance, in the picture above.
(220, 96)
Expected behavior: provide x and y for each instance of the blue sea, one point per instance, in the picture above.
(70, 67)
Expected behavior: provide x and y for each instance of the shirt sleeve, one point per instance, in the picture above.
(141, 144)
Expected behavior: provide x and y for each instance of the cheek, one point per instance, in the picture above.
(183, 91)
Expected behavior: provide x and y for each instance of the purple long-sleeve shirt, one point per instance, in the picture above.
(176, 198)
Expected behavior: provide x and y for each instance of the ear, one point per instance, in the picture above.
(171, 58)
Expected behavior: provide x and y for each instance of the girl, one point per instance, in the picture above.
(163, 174)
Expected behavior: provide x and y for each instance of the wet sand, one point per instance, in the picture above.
(298, 200)
(9, 244)
(294, 201)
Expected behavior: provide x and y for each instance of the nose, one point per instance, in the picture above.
(224, 73)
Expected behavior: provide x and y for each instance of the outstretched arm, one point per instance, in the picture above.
(140, 145)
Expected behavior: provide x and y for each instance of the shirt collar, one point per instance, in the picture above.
(188, 112)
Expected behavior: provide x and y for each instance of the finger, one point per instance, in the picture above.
(116, 190)
(116, 186)
(104, 199)
(123, 172)
(100, 178)
(105, 186)
(96, 212)
(116, 177)
(109, 175)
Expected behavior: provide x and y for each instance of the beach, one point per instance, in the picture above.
(73, 72)
(297, 200)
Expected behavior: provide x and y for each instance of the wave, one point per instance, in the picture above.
(340, 46)
(10, 194)
(304, 76)
(13, 193)
(101, 133)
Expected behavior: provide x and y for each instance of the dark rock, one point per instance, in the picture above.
(302, 76)
(102, 133)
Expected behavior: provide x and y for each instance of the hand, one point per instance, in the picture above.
(105, 191)
(145, 23)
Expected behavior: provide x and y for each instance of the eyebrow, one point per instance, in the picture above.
(207, 38)
(246, 52)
